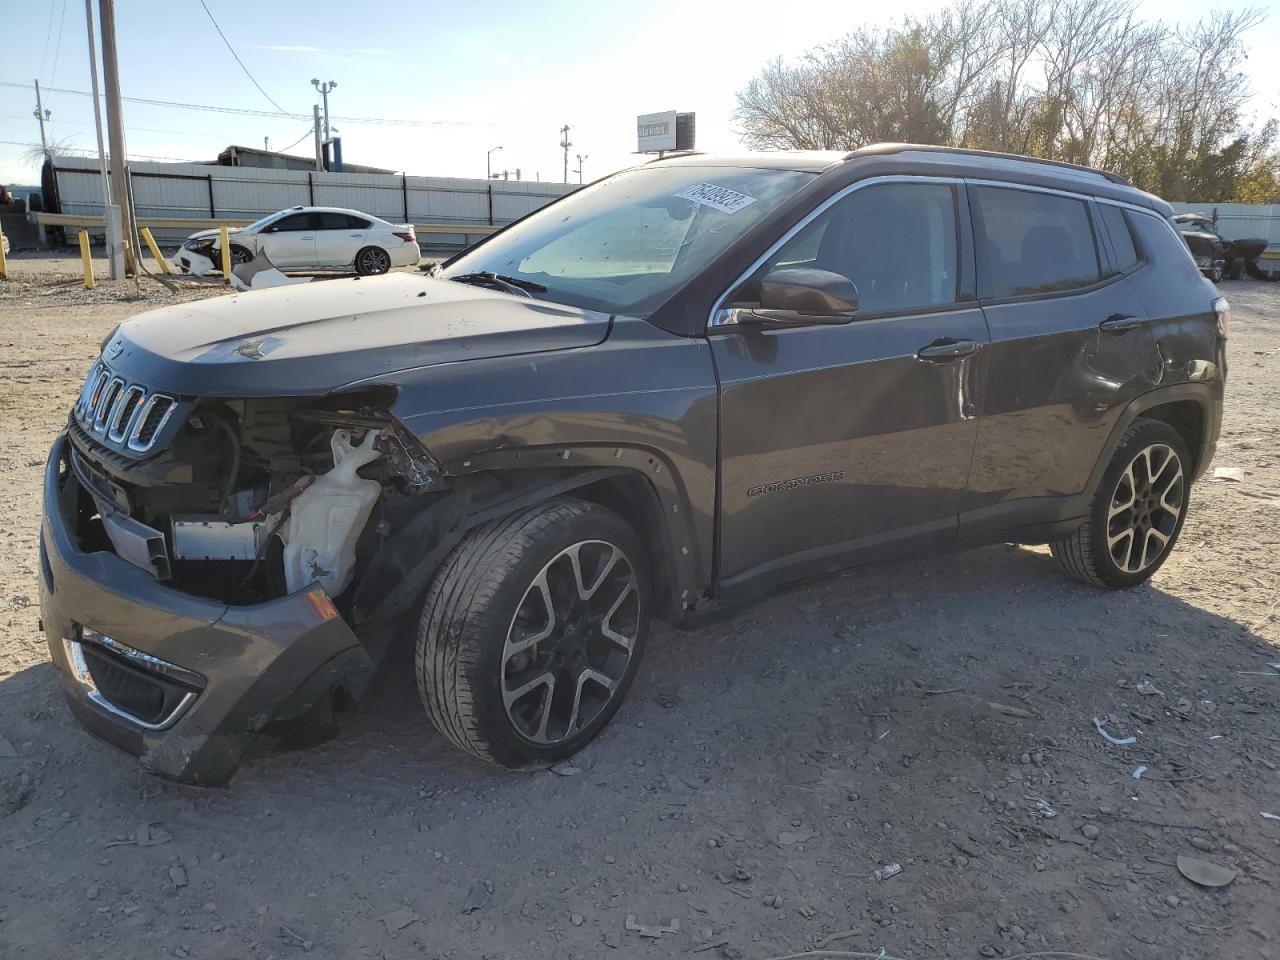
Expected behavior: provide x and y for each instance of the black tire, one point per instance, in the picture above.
(474, 607)
(240, 255)
(1215, 272)
(372, 261)
(1235, 268)
(1089, 554)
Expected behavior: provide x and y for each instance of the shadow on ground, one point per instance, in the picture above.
(786, 754)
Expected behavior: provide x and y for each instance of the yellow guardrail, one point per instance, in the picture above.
(84, 221)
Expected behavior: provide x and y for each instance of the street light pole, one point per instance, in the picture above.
(581, 157)
(488, 162)
(324, 89)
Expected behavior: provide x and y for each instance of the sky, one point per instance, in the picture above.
(468, 76)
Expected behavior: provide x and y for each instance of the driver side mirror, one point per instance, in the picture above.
(801, 297)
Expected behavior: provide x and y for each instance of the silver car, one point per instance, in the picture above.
(308, 238)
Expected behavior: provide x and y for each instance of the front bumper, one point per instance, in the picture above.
(217, 673)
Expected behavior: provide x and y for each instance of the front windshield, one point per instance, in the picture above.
(625, 244)
(259, 224)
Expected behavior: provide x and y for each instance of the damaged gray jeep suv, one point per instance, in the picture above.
(677, 388)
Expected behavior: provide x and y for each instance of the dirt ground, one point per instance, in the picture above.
(761, 773)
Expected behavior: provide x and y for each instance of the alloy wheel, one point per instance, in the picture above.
(374, 260)
(570, 641)
(1145, 508)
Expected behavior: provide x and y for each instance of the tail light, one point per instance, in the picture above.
(1222, 310)
(406, 235)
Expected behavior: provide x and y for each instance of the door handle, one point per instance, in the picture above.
(1120, 323)
(356, 235)
(940, 351)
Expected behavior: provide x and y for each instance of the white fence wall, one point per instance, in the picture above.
(196, 190)
(1240, 221)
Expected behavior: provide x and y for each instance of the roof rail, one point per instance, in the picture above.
(882, 148)
(671, 154)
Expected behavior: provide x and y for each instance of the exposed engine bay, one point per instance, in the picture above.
(247, 500)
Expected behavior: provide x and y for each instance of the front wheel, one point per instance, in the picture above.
(372, 261)
(532, 631)
(1137, 511)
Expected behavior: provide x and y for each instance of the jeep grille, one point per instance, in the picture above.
(127, 414)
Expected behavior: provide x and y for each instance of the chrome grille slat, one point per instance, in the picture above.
(106, 403)
(123, 413)
(126, 410)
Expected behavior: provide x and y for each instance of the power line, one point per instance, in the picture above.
(78, 151)
(310, 131)
(57, 49)
(48, 35)
(245, 111)
(238, 60)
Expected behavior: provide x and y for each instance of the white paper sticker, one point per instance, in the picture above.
(722, 198)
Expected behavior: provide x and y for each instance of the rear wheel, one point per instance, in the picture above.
(1137, 511)
(532, 631)
(1265, 270)
(372, 260)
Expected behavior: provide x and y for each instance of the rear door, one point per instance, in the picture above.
(340, 237)
(849, 442)
(1071, 344)
(291, 240)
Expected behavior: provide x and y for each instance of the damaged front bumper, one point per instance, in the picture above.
(184, 683)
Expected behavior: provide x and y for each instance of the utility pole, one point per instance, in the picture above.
(581, 157)
(41, 114)
(110, 212)
(315, 112)
(565, 144)
(115, 129)
(266, 144)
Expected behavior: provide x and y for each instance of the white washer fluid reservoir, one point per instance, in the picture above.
(326, 519)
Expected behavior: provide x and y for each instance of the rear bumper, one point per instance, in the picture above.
(408, 255)
(224, 671)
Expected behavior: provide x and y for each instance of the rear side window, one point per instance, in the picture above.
(1121, 238)
(1160, 244)
(895, 241)
(1030, 243)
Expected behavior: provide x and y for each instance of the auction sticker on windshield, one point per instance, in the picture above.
(722, 198)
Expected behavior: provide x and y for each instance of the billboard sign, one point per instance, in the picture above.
(656, 131)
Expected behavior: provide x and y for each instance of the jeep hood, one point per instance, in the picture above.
(317, 337)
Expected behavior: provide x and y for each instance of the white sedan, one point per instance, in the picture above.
(308, 238)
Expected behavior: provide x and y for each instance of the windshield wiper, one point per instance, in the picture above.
(525, 288)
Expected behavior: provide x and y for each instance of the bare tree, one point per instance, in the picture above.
(1085, 81)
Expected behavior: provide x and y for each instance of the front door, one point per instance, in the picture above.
(851, 442)
(291, 240)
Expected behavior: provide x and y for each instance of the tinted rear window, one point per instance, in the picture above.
(1121, 237)
(1160, 244)
(1031, 243)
